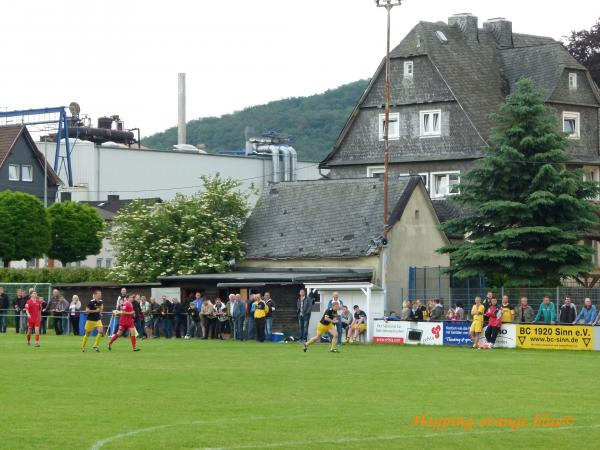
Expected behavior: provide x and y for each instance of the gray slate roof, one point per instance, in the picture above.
(471, 69)
(447, 209)
(479, 73)
(322, 218)
(544, 64)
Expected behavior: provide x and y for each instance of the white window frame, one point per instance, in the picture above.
(408, 69)
(99, 262)
(447, 173)
(575, 116)
(393, 117)
(30, 178)
(573, 81)
(422, 175)
(434, 133)
(108, 262)
(592, 174)
(12, 177)
(374, 170)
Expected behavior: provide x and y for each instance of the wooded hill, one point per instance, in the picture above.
(313, 122)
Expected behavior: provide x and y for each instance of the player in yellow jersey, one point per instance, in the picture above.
(94, 322)
(326, 325)
(477, 324)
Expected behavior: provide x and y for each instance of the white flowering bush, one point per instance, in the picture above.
(187, 235)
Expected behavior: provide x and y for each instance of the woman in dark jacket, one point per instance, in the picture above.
(417, 311)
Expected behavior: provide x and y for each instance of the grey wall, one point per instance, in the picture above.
(23, 154)
(397, 169)
(587, 147)
(458, 139)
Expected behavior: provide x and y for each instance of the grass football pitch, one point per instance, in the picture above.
(229, 395)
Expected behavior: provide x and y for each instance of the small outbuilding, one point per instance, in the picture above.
(338, 224)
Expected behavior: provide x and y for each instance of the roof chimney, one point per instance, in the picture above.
(467, 23)
(501, 29)
(181, 130)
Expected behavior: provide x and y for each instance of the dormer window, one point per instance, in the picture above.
(408, 69)
(572, 81)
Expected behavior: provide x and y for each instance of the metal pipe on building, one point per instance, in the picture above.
(181, 126)
(275, 158)
(294, 163)
(285, 153)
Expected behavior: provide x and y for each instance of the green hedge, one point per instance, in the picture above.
(56, 275)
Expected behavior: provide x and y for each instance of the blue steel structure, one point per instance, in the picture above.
(62, 132)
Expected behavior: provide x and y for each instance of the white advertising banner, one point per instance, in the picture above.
(392, 332)
(400, 332)
(507, 337)
(425, 333)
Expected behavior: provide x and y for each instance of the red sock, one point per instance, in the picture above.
(37, 338)
(113, 338)
(28, 338)
(133, 341)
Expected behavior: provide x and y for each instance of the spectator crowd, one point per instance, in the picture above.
(489, 312)
(252, 318)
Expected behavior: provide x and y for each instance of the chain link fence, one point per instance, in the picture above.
(535, 296)
(428, 283)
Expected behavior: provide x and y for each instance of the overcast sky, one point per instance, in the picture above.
(122, 57)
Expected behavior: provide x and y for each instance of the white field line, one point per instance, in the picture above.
(102, 442)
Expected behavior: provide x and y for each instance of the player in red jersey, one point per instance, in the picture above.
(126, 323)
(33, 308)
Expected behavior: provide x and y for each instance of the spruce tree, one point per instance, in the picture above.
(528, 211)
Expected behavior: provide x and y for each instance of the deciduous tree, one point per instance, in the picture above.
(24, 227)
(584, 45)
(77, 231)
(197, 234)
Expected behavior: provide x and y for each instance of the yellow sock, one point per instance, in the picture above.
(84, 342)
(333, 343)
(97, 340)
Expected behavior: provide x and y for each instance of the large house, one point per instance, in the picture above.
(447, 79)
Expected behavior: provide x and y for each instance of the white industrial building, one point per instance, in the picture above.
(102, 170)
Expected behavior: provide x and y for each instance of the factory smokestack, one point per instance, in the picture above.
(181, 127)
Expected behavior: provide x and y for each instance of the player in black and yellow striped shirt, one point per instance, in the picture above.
(326, 325)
